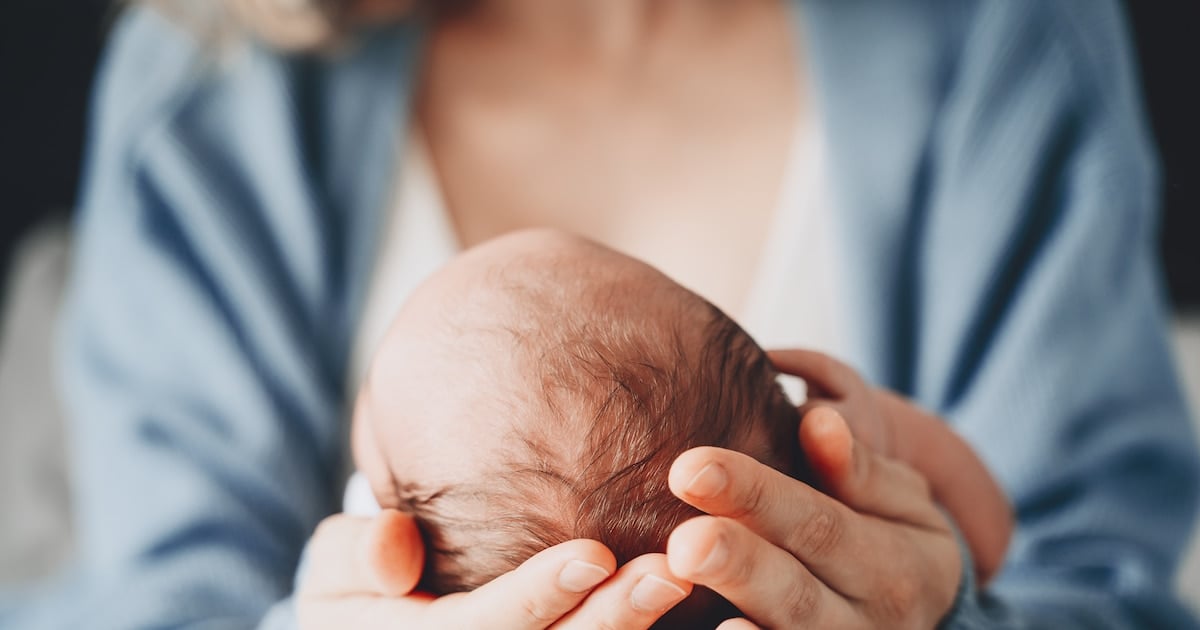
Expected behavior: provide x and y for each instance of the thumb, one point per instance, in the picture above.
(378, 556)
(852, 473)
(828, 446)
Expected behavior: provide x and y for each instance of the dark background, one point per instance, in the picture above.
(48, 50)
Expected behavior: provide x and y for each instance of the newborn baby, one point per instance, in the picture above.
(537, 390)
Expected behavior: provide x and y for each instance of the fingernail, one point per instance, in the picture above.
(578, 576)
(716, 559)
(654, 594)
(709, 482)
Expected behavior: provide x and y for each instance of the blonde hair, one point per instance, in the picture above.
(287, 24)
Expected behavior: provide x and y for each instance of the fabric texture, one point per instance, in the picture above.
(996, 196)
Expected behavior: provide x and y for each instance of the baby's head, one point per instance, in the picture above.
(537, 390)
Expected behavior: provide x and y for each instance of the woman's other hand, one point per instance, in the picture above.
(362, 572)
(880, 555)
(831, 383)
(895, 427)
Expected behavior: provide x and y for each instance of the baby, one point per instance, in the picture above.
(538, 388)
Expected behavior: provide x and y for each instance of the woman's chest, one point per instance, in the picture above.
(695, 198)
(678, 160)
(699, 213)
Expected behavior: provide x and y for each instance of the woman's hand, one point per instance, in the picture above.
(880, 555)
(362, 572)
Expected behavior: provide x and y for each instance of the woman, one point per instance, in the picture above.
(956, 197)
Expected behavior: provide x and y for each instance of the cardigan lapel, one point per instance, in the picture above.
(873, 71)
(365, 105)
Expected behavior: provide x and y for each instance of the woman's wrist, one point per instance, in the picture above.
(959, 481)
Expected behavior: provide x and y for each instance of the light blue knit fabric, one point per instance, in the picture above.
(996, 196)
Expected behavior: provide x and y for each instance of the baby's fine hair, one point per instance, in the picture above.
(616, 390)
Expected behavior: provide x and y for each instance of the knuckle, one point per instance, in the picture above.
(920, 482)
(753, 500)
(802, 603)
(742, 570)
(538, 611)
(898, 599)
(819, 535)
(738, 574)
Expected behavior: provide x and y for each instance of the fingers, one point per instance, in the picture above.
(816, 529)
(364, 556)
(830, 377)
(762, 580)
(531, 597)
(856, 476)
(633, 599)
(534, 595)
(359, 570)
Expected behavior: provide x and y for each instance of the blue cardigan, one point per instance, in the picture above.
(996, 193)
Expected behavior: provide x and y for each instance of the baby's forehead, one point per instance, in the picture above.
(528, 296)
(438, 396)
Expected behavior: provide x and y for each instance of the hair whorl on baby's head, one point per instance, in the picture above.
(623, 375)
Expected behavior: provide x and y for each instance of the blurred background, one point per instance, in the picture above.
(48, 52)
